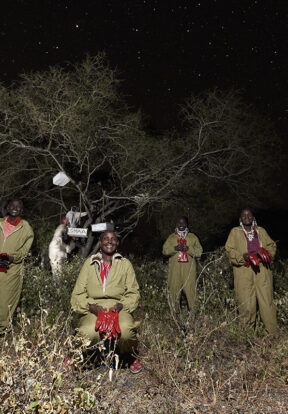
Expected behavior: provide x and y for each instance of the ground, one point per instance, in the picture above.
(202, 363)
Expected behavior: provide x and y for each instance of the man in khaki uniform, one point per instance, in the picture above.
(252, 283)
(16, 237)
(107, 280)
(182, 274)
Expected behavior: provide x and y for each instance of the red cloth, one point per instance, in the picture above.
(10, 225)
(182, 255)
(15, 222)
(104, 271)
(107, 323)
(8, 229)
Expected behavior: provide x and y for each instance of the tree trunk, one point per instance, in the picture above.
(85, 250)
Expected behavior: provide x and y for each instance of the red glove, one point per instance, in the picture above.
(182, 254)
(3, 269)
(264, 255)
(112, 327)
(107, 324)
(100, 320)
(116, 327)
(253, 259)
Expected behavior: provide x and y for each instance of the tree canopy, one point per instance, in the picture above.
(76, 121)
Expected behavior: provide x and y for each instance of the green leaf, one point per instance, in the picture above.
(78, 389)
(32, 405)
(59, 379)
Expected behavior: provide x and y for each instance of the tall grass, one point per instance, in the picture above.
(193, 363)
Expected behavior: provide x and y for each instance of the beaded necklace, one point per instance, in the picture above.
(251, 233)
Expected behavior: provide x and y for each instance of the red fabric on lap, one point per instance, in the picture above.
(107, 324)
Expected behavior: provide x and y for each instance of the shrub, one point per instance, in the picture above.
(191, 364)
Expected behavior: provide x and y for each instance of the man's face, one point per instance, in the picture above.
(182, 224)
(14, 208)
(247, 217)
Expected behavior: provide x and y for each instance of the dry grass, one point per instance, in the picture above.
(202, 365)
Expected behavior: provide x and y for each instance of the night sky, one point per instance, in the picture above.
(163, 50)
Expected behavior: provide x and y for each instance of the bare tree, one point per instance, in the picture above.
(75, 121)
(238, 161)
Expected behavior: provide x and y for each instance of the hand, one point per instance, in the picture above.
(245, 257)
(185, 248)
(93, 308)
(253, 259)
(178, 248)
(264, 255)
(11, 259)
(4, 257)
(117, 308)
(4, 263)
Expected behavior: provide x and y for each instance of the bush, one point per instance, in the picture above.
(42, 290)
(191, 364)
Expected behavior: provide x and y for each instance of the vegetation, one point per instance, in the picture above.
(76, 121)
(192, 365)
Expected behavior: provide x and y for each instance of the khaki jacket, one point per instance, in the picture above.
(180, 272)
(18, 243)
(236, 244)
(121, 285)
(192, 241)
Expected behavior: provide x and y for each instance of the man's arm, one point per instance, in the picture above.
(130, 299)
(234, 255)
(80, 300)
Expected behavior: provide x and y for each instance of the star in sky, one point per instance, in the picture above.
(164, 51)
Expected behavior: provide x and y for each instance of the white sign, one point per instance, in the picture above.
(102, 227)
(77, 232)
(61, 179)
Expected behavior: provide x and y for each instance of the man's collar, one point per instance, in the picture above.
(96, 258)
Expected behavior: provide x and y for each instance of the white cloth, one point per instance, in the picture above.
(73, 218)
(182, 234)
(61, 179)
(58, 250)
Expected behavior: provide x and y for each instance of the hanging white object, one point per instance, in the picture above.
(102, 227)
(77, 232)
(61, 179)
